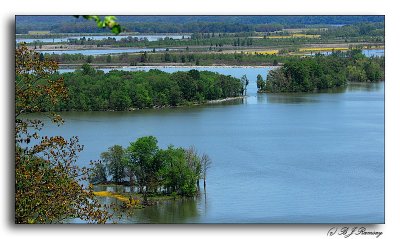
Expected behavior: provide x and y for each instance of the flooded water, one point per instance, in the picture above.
(276, 158)
(366, 52)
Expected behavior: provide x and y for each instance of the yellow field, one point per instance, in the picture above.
(298, 30)
(120, 197)
(305, 35)
(269, 52)
(324, 49)
(38, 32)
(296, 35)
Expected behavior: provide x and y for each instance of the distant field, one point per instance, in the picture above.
(38, 32)
(295, 35)
(324, 49)
(268, 52)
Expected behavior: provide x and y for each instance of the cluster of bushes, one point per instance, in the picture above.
(322, 72)
(91, 89)
(150, 169)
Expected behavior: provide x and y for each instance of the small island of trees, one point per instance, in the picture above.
(323, 72)
(150, 170)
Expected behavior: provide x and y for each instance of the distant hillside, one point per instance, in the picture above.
(147, 24)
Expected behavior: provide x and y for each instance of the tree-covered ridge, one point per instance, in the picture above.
(322, 72)
(91, 89)
(170, 24)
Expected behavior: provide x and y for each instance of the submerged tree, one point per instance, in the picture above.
(205, 165)
(260, 83)
(245, 83)
(48, 186)
(115, 164)
(144, 163)
(98, 173)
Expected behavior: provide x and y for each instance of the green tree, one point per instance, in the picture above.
(120, 100)
(260, 83)
(41, 57)
(142, 161)
(180, 171)
(355, 73)
(88, 70)
(98, 173)
(89, 59)
(115, 163)
(109, 59)
(373, 71)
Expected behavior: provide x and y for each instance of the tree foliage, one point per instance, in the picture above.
(322, 72)
(106, 22)
(114, 160)
(48, 187)
(155, 170)
(121, 90)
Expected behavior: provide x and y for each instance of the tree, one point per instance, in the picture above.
(355, 73)
(120, 100)
(88, 70)
(108, 59)
(205, 165)
(193, 163)
(41, 57)
(245, 83)
(373, 71)
(180, 170)
(89, 59)
(142, 161)
(260, 83)
(48, 187)
(98, 173)
(115, 163)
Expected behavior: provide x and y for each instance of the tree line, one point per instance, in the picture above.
(170, 24)
(152, 170)
(91, 89)
(322, 72)
(182, 58)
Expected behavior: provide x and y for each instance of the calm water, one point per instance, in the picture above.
(277, 158)
(366, 52)
(118, 38)
(102, 51)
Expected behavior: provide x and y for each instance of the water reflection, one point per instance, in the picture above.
(364, 87)
(293, 98)
(299, 98)
(181, 210)
(335, 90)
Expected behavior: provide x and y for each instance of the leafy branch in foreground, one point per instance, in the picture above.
(108, 21)
(48, 185)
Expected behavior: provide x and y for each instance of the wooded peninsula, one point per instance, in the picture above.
(93, 90)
